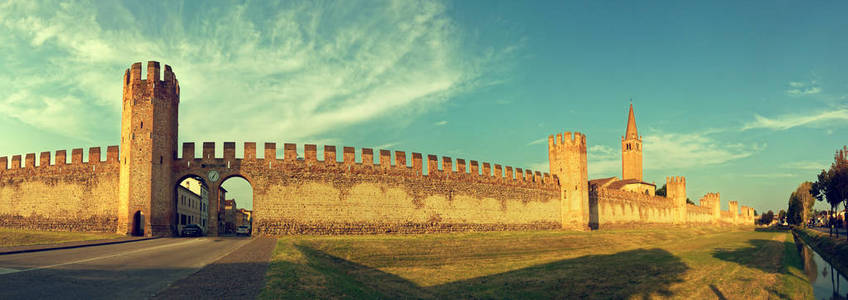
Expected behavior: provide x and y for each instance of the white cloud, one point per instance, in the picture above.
(441, 123)
(537, 141)
(770, 175)
(788, 121)
(797, 88)
(665, 151)
(304, 71)
(806, 165)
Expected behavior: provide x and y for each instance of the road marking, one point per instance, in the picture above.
(4, 271)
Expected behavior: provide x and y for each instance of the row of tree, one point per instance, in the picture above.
(831, 187)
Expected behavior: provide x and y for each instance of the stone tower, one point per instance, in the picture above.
(675, 187)
(631, 150)
(567, 158)
(713, 201)
(148, 147)
(733, 206)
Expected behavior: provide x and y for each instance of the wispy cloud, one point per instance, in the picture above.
(386, 145)
(537, 141)
(301, 71)
(788, 121)
(441, 123)
(799, 88)
(806, 165)
(666, 151)
(770, 175)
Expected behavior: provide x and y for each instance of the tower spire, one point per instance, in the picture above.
(631, 125)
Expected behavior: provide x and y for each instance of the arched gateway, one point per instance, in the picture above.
(133, 190)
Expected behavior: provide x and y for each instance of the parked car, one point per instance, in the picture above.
(192, 230)
(243, 230)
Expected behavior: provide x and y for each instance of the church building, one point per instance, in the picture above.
(631, 163)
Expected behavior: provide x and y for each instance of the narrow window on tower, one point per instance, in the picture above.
(160, 160)
(142, 124)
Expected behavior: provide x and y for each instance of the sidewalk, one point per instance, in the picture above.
(826, 230)
(69, 245)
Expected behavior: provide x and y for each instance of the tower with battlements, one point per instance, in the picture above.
(567, 159)
(148, 148)
(631, 150)
(676, 191)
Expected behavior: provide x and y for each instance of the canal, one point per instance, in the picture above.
(827, 281)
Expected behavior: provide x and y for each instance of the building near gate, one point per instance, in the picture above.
(136, 189)
(192, 203)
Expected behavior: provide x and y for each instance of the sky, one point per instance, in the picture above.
(744, 98)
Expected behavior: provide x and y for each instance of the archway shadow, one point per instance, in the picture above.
(641, 273)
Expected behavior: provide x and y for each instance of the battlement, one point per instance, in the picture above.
(567, 140)
(675, 180)
(710, 200)
(630, 197)
(152, 85)
(59, 159)
(406, 164)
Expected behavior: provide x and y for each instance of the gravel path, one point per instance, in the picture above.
(238, 275)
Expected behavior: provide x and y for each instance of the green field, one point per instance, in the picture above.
(16, 237)
(655, 263)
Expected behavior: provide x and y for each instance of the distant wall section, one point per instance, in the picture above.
(70, 196)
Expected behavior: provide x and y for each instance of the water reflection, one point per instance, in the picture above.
(827, 282)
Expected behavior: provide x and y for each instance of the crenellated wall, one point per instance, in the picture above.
(615, 207)
(75, 196)
(304, 195)
(134, 191)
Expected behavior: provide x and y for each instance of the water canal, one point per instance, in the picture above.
(827, 281)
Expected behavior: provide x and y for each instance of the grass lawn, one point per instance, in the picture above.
(16, 237)
(662, 262)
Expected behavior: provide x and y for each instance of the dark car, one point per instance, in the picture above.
(192, 230)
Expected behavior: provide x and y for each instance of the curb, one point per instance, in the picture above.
(49, 248)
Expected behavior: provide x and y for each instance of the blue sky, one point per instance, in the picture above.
(746, 99)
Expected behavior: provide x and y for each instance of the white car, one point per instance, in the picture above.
(243, 230)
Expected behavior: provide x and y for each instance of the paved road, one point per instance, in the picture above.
(136, 270)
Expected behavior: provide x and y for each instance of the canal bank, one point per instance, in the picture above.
(822, 265)
(833, 250)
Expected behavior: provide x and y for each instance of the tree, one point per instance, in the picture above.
(781, 215)
(661, 191)
(767, 217)
(800, 205)
(832, 184)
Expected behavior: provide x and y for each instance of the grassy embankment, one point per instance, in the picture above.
(16, 237)
(663, 262)
(831, 248)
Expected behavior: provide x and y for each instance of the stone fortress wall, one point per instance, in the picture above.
(73, 196)
(300, 194)
(134, 191)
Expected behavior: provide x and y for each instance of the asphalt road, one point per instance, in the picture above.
(136, 270)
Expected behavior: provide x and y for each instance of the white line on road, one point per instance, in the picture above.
(12, 271)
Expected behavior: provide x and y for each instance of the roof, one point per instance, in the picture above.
(631, 132)
(602, 181)
(621, 183)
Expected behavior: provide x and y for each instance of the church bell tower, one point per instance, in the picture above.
(631, 150)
